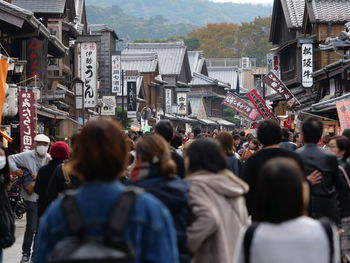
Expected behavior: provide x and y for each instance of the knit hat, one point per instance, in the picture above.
(60, 151)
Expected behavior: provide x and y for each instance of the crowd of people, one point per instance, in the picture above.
(171, 197)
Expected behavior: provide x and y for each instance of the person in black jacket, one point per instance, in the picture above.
(154, 170)
(59, 152)
(325, 191)
(340, 146)
(165, 128)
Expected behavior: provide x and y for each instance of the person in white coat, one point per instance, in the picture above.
(283, 232)
(217, 206)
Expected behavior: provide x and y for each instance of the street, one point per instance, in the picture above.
(14, 253)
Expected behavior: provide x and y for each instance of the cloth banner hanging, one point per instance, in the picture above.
(3, 75)
(343, 108)
(260, 105)
(240, 105)
(27, 116)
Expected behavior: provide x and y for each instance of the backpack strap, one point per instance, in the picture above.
(122, 210)
(329, 232)
(75, 222)
(247, 241)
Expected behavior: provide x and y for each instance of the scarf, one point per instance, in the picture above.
(143, 171)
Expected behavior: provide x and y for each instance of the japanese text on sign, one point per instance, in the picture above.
(88, 73)
(276, 84)
(260, 105)
(182, 103)
(116, 73)
(168, 100)
(307, 65)
(240, 105)
(27, 116)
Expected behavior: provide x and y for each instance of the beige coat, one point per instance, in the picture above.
(218, 212)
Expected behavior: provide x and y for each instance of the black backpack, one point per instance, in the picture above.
(248, 237)
(109, 247)
(7, 220)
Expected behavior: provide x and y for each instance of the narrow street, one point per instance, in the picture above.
(13, 254)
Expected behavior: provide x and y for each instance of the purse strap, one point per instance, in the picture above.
(346, 176)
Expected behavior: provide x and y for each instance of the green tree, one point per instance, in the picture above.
(192, 43)
(229, 115)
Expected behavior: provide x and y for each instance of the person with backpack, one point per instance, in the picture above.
(282, 232)
(216, 203)
(7, 217)
(154, 171)
(340, 146)
(103, 221)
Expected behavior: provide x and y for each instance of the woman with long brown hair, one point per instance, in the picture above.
(154, 171)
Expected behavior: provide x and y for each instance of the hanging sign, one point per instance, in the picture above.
(260, 105)
(240, 105)
(168, 100)
(27, 115)
(89, 73)
(343, 109)
(307, 65)
(276, 84)
(273, 64)
(182, 103)
(116, 72)
(108, 105)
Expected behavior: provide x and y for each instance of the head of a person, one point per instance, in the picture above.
(282, 192)
(60, 151)
(340, 146)
(226, 141)
(154, 149)
(236, 140)
(191, 135)
(242, 133)
(176, 141)
(4, 167)
(182, 132)
(100, 152)
(253, 144)
(205, 154)
(285, 134)
(42, 143)
(326, 139)
(312, 129)
(269, 132)
(196, 132)
(346, 133)
(165, 128)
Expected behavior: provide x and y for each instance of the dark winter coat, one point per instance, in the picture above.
(344, 192)
(234, 165)
(173, 192)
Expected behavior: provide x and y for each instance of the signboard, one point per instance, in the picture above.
(276, 84)
(27, 115)
(273, 64)
(260, 105)
(79, 95)
(89, 73)
(307, 65)
(240, 105)
(132, 98)
(126, 80)
(168, 100)
(108, 105)
(343, 109)
(116, 72)
(36, 58)
(182, 103)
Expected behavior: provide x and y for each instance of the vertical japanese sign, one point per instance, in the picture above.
(168, 100)
(240, 105)
(89, 73)
(276, 84)
(109, 105)
(27, 116)
(36, 58)
(273, 63)
(260, 105)
(343, 109)
(307, 65)
(132, 97)
(182, 103)
(116, 72)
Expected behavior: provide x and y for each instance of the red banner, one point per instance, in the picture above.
(240, 105)
(260, 105)
(27, 121)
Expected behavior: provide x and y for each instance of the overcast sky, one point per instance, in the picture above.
(246, 1)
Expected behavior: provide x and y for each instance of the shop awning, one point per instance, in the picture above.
(207, 122)
(222, 122)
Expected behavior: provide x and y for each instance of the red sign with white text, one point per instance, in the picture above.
(240, 105)
(27, 116)
(260, 105)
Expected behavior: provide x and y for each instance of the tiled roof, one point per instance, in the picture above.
(200, 79)
(197, 60)
(225, 74)
(331, 10)
(295, 12)
(144, 63)
(170, 55)
(42, 6)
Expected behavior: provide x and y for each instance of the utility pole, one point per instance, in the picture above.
(122, 120)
